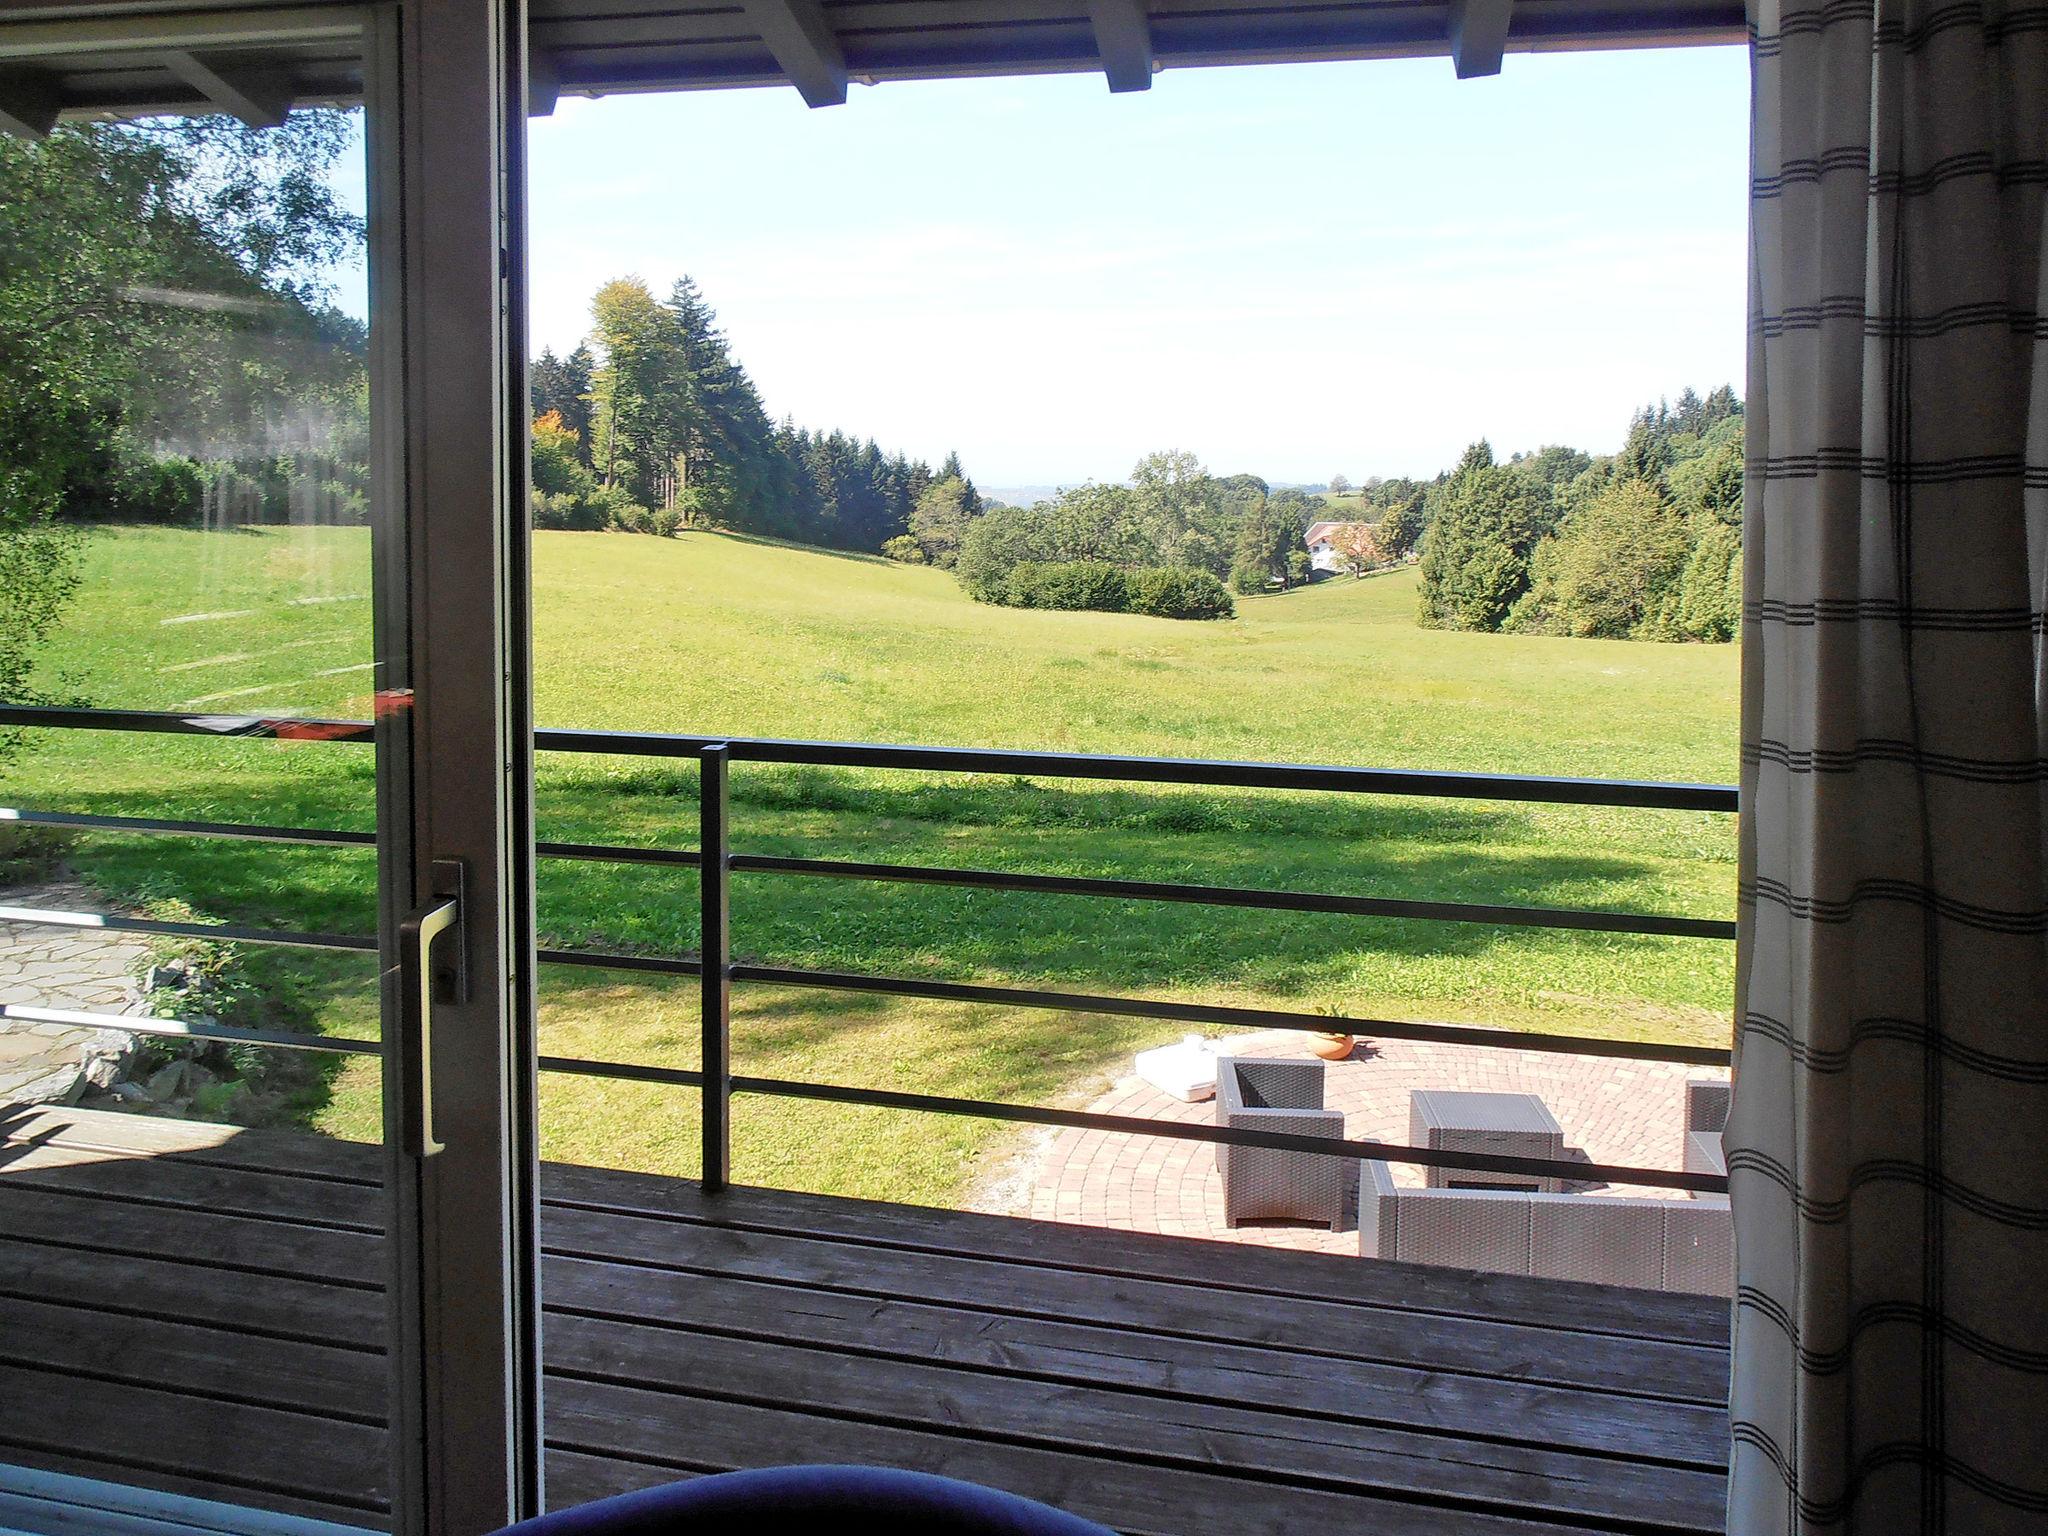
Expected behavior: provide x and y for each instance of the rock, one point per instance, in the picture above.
(169, 1080)
(171, 975)
(130, 1093)
(101, 1074)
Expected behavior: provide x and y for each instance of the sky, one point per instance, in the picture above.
(1294, 271)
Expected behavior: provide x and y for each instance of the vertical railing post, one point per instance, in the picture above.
(715, 949)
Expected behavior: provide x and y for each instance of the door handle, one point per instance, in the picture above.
(419, 991)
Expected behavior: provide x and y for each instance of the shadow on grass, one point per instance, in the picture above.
(766, 541)
(1024, 801)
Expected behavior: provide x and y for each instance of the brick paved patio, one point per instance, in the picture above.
(1612, 1111)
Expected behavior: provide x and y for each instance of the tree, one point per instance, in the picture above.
(557, 462)
(562, 385)
(1339, 486)
(970, 498)
(1611, 571)
(1400, 526)
(905, 549)
(1709, 482)
(1710, 590)
(1358, 546)
(1179, 510)
(939, 519)
(1475, 558)
(722, 437)
(632, 389)
(1554, 465)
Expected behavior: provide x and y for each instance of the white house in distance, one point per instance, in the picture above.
(1321, 538)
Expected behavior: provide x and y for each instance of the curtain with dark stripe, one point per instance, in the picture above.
(1889, 1139)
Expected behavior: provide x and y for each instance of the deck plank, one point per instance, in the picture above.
(110, 1225)
(210, 1364)
(1140, 1499)
(1578, 1308)
(217, 1300)
(300, 1463)
(1481, 1346)
(180, 1185)
(1484, 1409)
(1299, 1450)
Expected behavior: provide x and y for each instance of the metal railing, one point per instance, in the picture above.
(718, 972)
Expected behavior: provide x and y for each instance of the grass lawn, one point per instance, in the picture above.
(719, 634)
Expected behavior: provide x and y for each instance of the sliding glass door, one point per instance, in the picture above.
(263, 1158)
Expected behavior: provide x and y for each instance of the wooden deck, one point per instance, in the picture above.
(202, 1312)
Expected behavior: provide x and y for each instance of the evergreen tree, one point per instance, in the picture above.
(722, 435)
(1612, 571)
(561, 385)
(1708, 483)
(1647, 452)
(970, 497)
(1475, 558)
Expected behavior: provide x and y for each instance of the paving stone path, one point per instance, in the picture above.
(1617, 1112)
(82, 968)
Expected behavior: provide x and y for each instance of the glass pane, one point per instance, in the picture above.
(191, 1229)
(1026, 452)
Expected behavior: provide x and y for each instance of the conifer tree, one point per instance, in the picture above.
(1475, 557)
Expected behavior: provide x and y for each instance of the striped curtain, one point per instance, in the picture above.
(1888, 1148)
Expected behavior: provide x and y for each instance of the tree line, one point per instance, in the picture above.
(1172, 541)
(653, 424)
(1643, 544)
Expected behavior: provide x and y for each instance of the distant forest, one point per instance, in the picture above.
(652, 424)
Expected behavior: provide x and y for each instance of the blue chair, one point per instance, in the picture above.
(805, 1499)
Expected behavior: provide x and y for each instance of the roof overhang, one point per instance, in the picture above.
(248, 59)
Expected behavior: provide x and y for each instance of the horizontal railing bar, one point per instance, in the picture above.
(1032, 1114)
(1427, 782)
(609, 960)
(1437, 783)
(232, 1034)
(1246, 897)
(1155, 1008)
(230, 829)
(1575, 919)
(626, 1071)
(619, 853)
(50, 917)
(171, 723)
(1229, 1014)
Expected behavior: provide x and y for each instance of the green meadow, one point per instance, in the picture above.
(717, 634)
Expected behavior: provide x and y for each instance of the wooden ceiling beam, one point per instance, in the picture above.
(28, 103)
(259, 97)
(543, 83)
(801, 40)
(1479, 36)
(1123, 36)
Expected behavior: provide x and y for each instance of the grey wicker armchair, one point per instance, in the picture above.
(1253, 1093)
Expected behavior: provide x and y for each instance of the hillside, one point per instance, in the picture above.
(815, 644)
